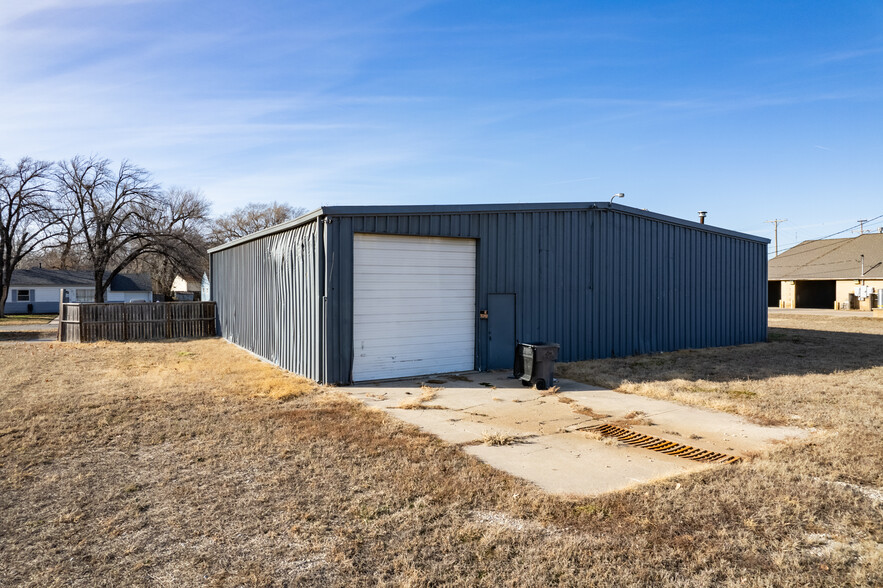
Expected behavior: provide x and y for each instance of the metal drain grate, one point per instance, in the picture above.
(630, 437)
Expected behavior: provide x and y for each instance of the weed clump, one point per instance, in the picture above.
(427, 394)
(496, 438)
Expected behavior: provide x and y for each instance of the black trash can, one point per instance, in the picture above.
(535, 363)
(30, 309)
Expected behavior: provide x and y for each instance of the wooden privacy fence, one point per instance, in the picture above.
(85, 323)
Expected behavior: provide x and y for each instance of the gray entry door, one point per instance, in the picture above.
(501, 331)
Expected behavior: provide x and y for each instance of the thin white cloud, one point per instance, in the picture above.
(16, 11)
(848, 55)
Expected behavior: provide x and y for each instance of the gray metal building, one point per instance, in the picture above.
(358, 293)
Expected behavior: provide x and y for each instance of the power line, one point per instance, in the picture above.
(852, 228)
(776, 223)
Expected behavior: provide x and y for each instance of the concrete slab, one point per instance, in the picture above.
(450, 425)
(572, 464)
(554, 450)
(707, 429)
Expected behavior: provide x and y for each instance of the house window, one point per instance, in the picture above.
(23, 296)
(84, 295)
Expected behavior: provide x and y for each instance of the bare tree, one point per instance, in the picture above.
(250, 219)
(64, 251)
(113, 209)
(179, 244)
(27, 215)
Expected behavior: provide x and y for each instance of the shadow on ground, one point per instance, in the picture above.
(788, 352)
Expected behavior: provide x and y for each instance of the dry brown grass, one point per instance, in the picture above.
(636, 417)
(496, 438)
(193, 464)
(551, 391)
(815, 371)
(586, 411)
(596, 436)
(427, 394)
(26, 319)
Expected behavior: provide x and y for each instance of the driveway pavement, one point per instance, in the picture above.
(821, 312)
(30, 327)
(553, 448)
(38, 332)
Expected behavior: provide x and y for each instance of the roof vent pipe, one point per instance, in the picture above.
(702, 215)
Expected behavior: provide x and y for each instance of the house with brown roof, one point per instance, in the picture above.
(829, 273)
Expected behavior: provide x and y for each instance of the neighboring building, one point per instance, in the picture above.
(205, 290)
(348, 294)
(828, 273)
(186, 288)
(38, 290)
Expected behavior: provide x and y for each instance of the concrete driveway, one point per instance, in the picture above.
(29, 327)
(821, 312)
(29, 333)
(546, 436)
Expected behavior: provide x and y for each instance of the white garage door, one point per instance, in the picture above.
(413, 306)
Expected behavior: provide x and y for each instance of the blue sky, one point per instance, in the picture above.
(749, 110)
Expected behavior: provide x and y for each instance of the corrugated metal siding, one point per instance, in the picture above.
(599, 282)
(267, 294)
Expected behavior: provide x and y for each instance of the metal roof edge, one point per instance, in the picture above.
(532, 207)
(332, 211)
(688, 223)
(301, 220)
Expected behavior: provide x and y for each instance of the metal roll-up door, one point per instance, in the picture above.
(413, 306)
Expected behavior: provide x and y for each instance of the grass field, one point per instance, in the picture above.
(26, 319)
(191, 463)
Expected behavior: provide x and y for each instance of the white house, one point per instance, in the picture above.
(38, 290)
(186, 288)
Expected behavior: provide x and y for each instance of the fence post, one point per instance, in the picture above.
(168, 320)
(125, 323)
(60, 313)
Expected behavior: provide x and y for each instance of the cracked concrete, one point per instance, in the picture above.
(551, 449)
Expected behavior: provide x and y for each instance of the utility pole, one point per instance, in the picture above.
(776, 222)
(861, 226)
